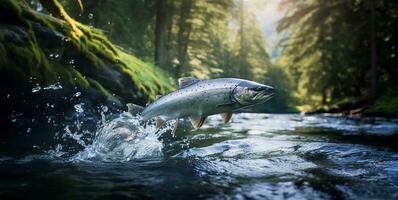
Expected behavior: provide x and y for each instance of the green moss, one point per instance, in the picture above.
(27, 61)
(92, 45)
(147, 78)
(99, 87)
(72, 76)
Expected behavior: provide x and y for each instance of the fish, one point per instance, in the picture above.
(198, 99)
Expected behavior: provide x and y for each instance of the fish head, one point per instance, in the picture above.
(248, 93)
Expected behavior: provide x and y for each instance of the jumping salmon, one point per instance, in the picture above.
(198, 99)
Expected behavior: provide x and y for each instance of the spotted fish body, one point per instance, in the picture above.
(203, 98)
(198, 99)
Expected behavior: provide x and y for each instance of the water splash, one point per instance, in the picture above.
(79, 108)
(36, 89)
(97, 134)
(54, 86)
(118, 138)
(123, 139)
(77, 94)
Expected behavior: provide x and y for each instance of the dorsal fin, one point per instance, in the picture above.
(185, 81)
(226, 117)
(198, 121)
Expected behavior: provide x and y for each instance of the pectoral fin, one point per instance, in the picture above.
(226, 117)
(198, 121)
(159, 122)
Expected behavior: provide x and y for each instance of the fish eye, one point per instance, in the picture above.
(259, 88)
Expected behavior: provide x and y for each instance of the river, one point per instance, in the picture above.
(256, 156)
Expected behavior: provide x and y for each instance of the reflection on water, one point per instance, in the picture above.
(257, 156)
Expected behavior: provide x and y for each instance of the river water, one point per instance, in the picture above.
(256, 156)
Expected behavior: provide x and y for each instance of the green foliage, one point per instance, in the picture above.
(283, 100)
(224, 44)
(209, 42)
(327, 49)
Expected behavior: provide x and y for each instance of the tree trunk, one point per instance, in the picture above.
(374, 68)
(161, 33)
(324, 96)
(183, 35)
(242, 69)
(170, 37)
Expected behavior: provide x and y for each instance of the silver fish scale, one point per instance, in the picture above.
(199, 99)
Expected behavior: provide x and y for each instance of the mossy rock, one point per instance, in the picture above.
(37, 45)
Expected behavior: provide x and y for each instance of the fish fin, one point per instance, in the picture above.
(185, 81)
(158, 97)
(198, 121)
(226, 117)
(159, 122)
(134, 109)
(173, 132)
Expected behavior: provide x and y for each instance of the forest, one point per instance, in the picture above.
(336, 55)
(333, 56)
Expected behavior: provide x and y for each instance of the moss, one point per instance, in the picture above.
(147, 78)
(72, 76)
(56, 9)
(91, 44)
(27, 61)
(99, 87)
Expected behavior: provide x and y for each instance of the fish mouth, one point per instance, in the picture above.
(263, 96)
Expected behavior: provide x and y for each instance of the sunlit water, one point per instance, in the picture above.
(257, 156)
